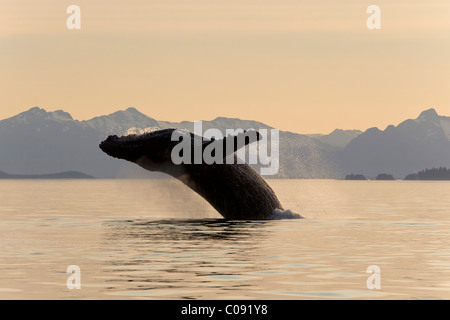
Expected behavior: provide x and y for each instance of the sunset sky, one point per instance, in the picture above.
(305, 66)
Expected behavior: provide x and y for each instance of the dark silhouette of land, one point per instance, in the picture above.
(381, 176)
(385, 176)
(61, 175)
(355, 177)
(441, 173)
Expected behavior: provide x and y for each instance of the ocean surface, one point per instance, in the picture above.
(156, 239)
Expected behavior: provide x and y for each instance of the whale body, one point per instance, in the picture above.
(234, 189)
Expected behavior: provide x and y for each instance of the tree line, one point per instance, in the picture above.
(441, 173)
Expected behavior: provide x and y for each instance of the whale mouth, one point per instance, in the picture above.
(127, 148)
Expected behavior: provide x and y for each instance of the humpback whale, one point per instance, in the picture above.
(234, 189)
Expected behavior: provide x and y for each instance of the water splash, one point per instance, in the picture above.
(278, 214)
(139, 131)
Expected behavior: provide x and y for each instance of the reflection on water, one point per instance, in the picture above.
(139, 240)
(186, 230)
(181, 257)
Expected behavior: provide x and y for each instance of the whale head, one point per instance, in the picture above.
(152, 149)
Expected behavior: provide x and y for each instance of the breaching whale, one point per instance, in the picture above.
(235, 190)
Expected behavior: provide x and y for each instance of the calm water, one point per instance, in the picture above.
(158, 240)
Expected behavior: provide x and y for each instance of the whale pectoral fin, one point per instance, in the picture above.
(231, 144)
(234, 143)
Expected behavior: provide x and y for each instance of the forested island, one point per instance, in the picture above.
(441, 173)
(381, 176)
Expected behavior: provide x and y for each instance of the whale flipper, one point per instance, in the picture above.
(232, 143)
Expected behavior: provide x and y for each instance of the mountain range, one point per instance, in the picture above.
(413, 145)
(38, 142)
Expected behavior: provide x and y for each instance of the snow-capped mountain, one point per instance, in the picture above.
(120, 122)
(338, 138)
(220, 123)
(40, 142)
(413, 145)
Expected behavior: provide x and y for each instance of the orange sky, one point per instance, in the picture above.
(304, 66)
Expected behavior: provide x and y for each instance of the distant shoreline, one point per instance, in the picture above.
(77, 175)
(50, 176)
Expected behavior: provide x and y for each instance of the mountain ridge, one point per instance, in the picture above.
(37, 141)
(412, 145)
